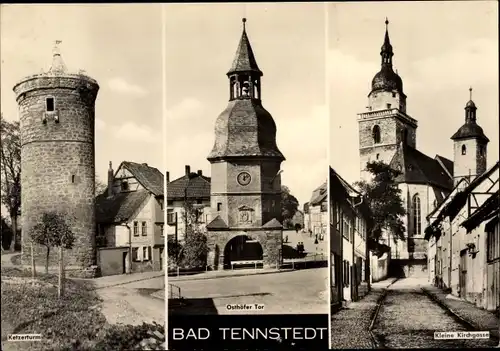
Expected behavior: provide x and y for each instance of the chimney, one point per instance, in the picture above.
(200, 172)
(168, 177)
(110, 180)
(188, 170)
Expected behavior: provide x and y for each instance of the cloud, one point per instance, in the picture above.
(120, 85)
(100, 124)
(188, 108)
(131, 131)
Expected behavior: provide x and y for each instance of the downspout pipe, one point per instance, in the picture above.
(129, 248)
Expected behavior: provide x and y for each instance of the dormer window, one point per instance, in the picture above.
(49, 104)
(464, 150)
(125, 186)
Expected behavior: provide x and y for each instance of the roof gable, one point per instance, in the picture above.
(149, 177)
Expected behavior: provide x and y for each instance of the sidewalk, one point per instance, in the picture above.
(476, 317)
(226, 273)
(120, 279)
(351, 326)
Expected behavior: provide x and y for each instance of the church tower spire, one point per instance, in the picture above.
(470, 144)
(386, 50)
(244, 75)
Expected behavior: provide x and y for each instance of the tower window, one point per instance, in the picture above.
(49, 104)
(219, 206)
(464, 150)
(376, 134)
(417, 225)
(393, 95)
(378, 156)
(388, 106)
(73, 179)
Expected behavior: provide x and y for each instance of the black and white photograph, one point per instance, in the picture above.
(247, 170)
(413, 184)
(82, 178)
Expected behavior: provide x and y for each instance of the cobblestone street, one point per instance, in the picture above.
(407, 318)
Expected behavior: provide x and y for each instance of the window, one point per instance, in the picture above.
(481, 150)
(162, 233)
(171, 216)
(464, 150)
(49, 104)
(378, 156)
(161, 203)
(145, 253)
(73, 179)
(388, 106)
(136, 229)
(144, 229)
(219, 206)
(345, 275)
(376, 134)
(393, 95)
(493, 242)
(135, 254)
(199, 201)
(417, 225)
(125, 185)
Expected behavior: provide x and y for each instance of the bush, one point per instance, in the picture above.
(127, 337)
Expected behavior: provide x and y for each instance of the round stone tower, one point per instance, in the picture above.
(57, 121)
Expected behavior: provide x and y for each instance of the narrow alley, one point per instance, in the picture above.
(401, 314)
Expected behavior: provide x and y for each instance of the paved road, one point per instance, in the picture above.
(302, 291)
(408, 318)
(133, 303)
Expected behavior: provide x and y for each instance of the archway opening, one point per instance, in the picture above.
(243, 252)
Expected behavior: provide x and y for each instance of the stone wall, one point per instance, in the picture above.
(58, 161)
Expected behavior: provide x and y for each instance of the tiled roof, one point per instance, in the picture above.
(319, 195)
(194, 186)
(446, 163)
(217, 223)
(120, 207)
(149, 177)
(418, 168)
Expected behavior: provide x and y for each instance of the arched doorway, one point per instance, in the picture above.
(242, 250)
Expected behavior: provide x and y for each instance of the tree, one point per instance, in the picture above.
(289, 205)
(10, 159)
(99, 186)
(383, 198)
(53, 231)
(195, 249)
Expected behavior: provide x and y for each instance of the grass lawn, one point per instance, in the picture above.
(72, 322)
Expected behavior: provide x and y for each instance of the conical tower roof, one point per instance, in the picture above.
(244, 60)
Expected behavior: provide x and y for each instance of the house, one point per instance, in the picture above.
(298, 219)
(130, 220)
(350, 258)
(464, 251)
(193, 188)
(316, 212)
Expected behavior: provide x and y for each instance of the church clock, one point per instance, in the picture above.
(244, 178)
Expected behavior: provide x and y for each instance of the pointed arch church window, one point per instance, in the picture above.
(417, 223)
(464, 150)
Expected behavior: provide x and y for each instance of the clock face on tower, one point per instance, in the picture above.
(244, 178)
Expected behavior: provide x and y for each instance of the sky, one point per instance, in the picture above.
(440, 50)
(119, 46)
(290, 50)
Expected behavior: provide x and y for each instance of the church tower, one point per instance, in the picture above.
(385, 125)
(469, 149)
(57, 116)
(245, 162)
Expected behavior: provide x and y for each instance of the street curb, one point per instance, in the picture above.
(125, 283)
(468, 323)
(376, 344)
(175, 279)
